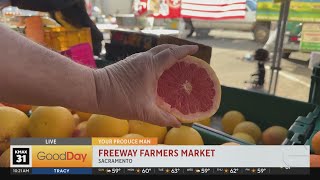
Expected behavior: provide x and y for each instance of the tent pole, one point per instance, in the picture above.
(281, 30)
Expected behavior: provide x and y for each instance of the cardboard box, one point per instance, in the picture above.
(125, 43)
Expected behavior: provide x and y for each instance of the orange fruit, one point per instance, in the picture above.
(274, 135)
(22, 107)
(76, 119)
(315, 142)
(230, 120)
(83, 116)
(314, 161)
(249, 128)
(132, 136)
(147, 130)
(205, 122)
(245, 137)
(5, 159)
(183, 136)
(33, 108)
(230, 144)
(52, 121)
(81, 130)
(13, 124)
(106, 126)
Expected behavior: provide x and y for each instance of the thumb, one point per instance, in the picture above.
(168, 57)
(162, 118)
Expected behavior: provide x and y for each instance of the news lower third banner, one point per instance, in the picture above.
(125, 156)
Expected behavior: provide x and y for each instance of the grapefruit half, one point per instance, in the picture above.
(189, 90)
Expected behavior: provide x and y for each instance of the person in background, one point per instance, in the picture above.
(262, 56)
(71, 14)
(189, 24)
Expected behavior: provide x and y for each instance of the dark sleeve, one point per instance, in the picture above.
(96, 34)
(80, 18)
(43, 5)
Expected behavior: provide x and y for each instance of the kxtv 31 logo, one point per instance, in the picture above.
(21, 156)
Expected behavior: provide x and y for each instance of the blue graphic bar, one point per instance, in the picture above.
(61, 170)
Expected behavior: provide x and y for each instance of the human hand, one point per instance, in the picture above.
(128, 89)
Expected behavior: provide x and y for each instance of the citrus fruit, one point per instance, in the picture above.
(81, 130)
(205, 122)
(249, 128)
(315, 143)
(245, 137)
(147, 130)
(22, 107)
(13, 123)
(314, 161)
(53, 121)
(34, 108)
(230, 144)
(189, 90)
(76, 119)
(83, 116)
(274, 135)
(5, 158)
(132, 136)
(106, 126)
(230, 120)
(183, 136)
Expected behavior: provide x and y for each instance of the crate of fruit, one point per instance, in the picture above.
(61, 39)
(246, 117)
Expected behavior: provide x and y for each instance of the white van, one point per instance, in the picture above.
(259, 29)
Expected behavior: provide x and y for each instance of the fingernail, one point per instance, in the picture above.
(193, 48)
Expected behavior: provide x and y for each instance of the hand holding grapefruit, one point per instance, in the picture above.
(135, 85)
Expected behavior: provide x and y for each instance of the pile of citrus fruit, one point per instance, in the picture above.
(60, 122)
(235, 124)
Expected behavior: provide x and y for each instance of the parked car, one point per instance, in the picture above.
(260, 29)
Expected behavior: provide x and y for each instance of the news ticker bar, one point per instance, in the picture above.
(161, 171)
(145, 152)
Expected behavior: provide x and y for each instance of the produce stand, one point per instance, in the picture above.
(302, 119)
(266, 111)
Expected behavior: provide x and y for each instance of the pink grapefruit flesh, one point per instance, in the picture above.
(189, 90)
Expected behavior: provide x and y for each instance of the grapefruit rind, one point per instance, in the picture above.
(198, 116)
